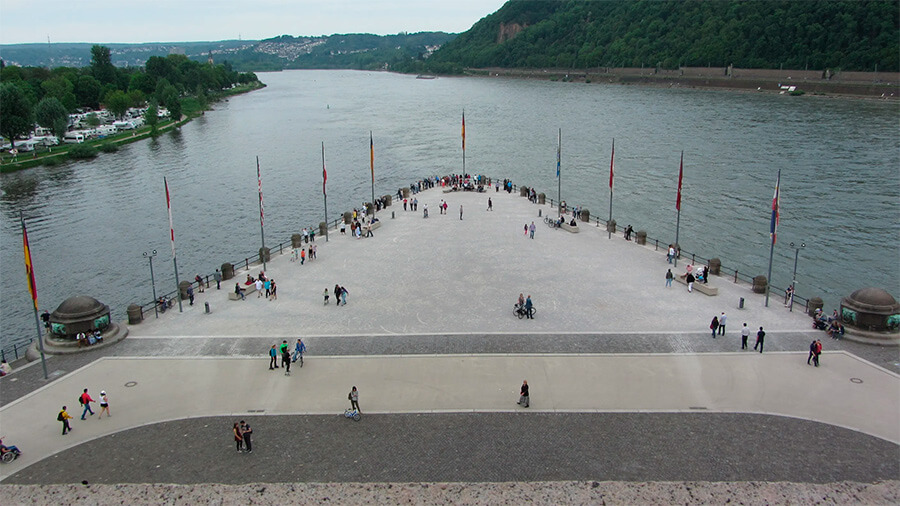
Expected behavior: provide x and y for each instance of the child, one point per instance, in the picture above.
(326, 296)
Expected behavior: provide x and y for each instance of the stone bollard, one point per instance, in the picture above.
(265, 255)
(523, 191)
(296, 241)
(323, 228)
(135, 314)
(387, 200)
(611, 226)
(815, 303)
(584, 215)
(182, 289)
(405, 192)
(542, 199)
(370, 208)
(759, 284)
(640, 237)
(348, 217)
(715, 266)
(227, 271)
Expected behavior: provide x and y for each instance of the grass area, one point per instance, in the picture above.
(55, 155)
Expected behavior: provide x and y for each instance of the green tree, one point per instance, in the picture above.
(173, 103)
(50, 113)
(101, 65)
(93, 120)
(87, 92)
(16, 111)
(117, 102)
(151, 116)
(62, 89)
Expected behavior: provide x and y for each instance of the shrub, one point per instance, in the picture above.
(82, 151)
(109, 147)
(52, 161)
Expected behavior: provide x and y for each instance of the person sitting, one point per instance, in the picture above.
(5, 368)
(250, 280)
(82, 339)
(572, 223)
(91, 339)
(559, 222)
(98, 336)
(10, 448)
(238, 290)
(262, 276)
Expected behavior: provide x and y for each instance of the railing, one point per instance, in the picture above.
(12, 351)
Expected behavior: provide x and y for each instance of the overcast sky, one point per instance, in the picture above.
(108, 21)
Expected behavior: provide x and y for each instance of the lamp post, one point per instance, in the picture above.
(794, 278)
(150, 255)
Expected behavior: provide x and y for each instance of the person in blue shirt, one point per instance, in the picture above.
(528, 306)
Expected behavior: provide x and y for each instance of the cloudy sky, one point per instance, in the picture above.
(109, 21)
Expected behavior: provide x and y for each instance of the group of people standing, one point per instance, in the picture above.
(301, 254)
(243, 437)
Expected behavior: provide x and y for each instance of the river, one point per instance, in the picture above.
(90, 222)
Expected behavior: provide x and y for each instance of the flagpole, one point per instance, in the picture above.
(324, 195)
(773, 230)
(172, 237)
(678, 207)
(558, 176)
(32, 287)
(611, 159)
(262, 232)
(372, 169)
(464, 140)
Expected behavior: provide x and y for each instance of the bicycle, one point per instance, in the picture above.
(521, 313)
(352, 413)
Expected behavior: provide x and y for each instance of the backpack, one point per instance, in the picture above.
(59, 417)
(81, 399)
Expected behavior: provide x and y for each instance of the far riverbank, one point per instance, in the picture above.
(871, 85)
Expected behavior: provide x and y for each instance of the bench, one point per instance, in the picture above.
(700, 287)
(376, 225)
(248, 289)
(570, 228)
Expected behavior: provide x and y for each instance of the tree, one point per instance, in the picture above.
(87, 92)
(50, 113)
(151, 116)
(173, 103)
(117, 102)
(16, 111)
(101, 65)
(62, 89)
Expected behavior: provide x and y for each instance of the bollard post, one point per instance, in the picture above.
(392, 215)
(539, 213)
(735, 275)
(741, 304)
(207, 307)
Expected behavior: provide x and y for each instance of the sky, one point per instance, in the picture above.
(122, 21)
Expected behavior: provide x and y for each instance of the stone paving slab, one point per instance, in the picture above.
(145, 391)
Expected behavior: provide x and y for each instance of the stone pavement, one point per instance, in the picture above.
(446, 286)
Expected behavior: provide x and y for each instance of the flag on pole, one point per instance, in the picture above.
(773, 227)
(171, 224)
(464, 130)
(558, 148)
(29, 267)
(324, 174)
(259, 184)
(372, 156)
(680, 175)
(611, 160)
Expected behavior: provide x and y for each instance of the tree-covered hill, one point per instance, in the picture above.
(836, 34)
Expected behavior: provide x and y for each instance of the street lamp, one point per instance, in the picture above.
(794, 278)
(150, 255)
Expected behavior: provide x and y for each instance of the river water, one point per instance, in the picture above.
(90, 222)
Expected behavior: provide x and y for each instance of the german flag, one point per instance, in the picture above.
(29, 267)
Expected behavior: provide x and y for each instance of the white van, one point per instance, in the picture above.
(73, 138)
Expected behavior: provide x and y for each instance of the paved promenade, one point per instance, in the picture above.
(429, 330)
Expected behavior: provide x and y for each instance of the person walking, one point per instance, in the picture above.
(273, 358)
(337, 295)
(671, 253)
(490, 205)
(259, 287)
(104, 405)
(531, 229)
(669, 278)
(274, 295)
(714, 325)
(190, 294)
(199, 279)
(64, 417)
(460, 211)
(86, 402)
(760, 340)
(524, 398)
(286, 359)
(246, 435)
(326, 296)
(812, 351)
(353, 397)
(526, 230)
(818, 351)
(218, 277)
(238, 437)
(722, 318)
(690, 282)
(302, 256)
(344, 293)
(745, 334)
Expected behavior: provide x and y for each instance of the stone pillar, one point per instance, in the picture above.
(641, 237)
(296, 241)
(323, 228)
(388, 200)
(814, 303)
(370, 208)
(759, 284)
(405, 191)
(715, 266)
(135, 314)
(264, 255)
(523, 191)
(348, 216)
(611, 226)
(182, 289)
(542, 199)
(227, 271)
(584, 215)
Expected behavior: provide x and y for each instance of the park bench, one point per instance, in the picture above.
(570, 228)
(248, 289)
(700, 287)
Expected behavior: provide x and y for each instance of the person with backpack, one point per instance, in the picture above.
(64, 417)
(714, 326)
(85, 400)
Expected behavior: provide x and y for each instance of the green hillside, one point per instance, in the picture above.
(845, 35)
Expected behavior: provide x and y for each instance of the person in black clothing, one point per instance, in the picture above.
(246, 433)
(523, 395)
(45, 317)
(760, 339)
